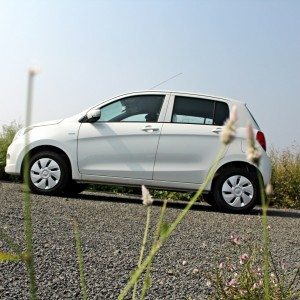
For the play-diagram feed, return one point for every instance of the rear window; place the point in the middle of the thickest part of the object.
(188, 110)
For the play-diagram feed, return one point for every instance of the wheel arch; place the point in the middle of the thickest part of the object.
(50, 148)
(235, 164)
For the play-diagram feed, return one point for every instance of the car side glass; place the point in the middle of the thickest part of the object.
(141, 108)
(188, 110)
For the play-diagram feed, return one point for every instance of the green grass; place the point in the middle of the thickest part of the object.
(6, 136)
(286, 177)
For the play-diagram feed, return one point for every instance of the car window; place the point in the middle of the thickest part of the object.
(144, 108)
(190, 110)
(221, 113)
(136, 118)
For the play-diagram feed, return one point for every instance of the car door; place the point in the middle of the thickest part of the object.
(189, 142)
(123, 142)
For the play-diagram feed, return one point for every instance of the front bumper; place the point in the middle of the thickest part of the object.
(14, 157)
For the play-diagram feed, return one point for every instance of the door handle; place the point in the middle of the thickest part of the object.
(149, 128)
(217, 130)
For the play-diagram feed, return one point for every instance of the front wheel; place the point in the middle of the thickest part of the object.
(73, 188)
(236, 190)
(48, 173)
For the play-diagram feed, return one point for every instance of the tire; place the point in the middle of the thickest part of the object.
(74, 188)
(209, 199)
(236, 190)
(48, 173)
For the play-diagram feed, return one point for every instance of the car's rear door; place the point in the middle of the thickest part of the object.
(189, 141)
(123, 142)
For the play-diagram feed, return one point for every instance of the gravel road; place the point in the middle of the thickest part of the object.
(112, 228)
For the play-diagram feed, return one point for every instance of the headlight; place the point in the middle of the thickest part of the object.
(22, 131)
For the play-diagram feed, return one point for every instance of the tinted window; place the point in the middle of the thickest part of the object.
(145, 108)
(199, 111)
(221, 113)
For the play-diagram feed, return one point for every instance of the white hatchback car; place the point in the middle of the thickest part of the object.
(165, 140)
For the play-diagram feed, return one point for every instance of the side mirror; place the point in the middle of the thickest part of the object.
(93, 115)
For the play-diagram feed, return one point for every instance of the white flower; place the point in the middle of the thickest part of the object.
(235, 240)
(243, 258)
(231, 268)
(228, 133)
(221, 265)
(147, 198)
(233, 282)
(256, 286)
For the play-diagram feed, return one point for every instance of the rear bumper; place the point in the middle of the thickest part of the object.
(265, 168)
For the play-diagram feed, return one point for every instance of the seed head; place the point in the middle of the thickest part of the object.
(208, 283)
(253, 155)
(34, 70)
(233, 114)
(228, 133)
(269, 189)
(146, 196)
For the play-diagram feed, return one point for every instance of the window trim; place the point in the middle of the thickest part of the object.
(165, 98)
(197, 98)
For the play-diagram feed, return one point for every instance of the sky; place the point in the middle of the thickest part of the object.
(89, 51)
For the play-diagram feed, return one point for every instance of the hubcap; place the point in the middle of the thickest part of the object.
(237, 191)
(45, 173)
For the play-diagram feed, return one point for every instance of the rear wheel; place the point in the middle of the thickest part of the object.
(236, 190)
(48, 173)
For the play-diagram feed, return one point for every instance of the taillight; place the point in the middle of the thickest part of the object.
(260, 137)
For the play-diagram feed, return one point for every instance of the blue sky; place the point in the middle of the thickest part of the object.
(91, 50)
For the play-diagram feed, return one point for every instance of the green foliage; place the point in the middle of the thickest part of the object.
(286, 177)
(159, 194)
(80, 260)
(6, 137)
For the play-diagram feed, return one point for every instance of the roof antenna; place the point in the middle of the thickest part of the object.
(165, 81)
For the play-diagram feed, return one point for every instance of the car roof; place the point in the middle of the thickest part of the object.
(180, 93)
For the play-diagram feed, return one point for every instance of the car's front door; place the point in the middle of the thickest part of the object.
(123, 142)
(189, 142)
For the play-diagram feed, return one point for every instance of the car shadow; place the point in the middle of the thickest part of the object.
(199, 206)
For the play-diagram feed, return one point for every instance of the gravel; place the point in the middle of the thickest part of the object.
(111, 230)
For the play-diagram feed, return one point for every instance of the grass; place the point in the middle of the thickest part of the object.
(242, 277)
(286, 177)
(6, 136)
